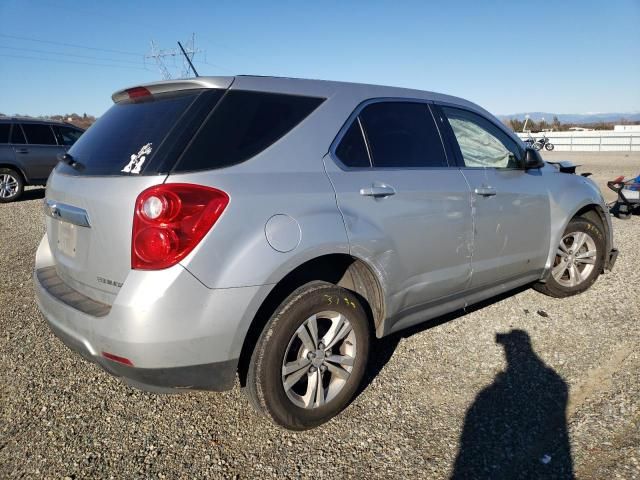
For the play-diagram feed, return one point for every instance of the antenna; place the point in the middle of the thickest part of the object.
(189, 51)
(188, 60)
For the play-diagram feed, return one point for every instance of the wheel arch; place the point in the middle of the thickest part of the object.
(340, 269)
(596, 214)
(16, 168)
(590, 211)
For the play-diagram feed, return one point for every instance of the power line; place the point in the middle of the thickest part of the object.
(28, 39)
(159, 55)
(55, 60)
(48, 52)
(204, 62)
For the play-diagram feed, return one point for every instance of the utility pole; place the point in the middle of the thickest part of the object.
(187, 52)
(159, 56)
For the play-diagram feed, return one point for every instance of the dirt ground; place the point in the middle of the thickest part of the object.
(523, 386)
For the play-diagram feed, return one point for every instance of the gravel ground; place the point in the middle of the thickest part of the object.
(441, 400)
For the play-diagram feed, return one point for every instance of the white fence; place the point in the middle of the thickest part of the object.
(594, 141)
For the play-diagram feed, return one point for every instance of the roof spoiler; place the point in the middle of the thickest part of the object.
(172, 86)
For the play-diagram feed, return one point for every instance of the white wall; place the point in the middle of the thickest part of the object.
(626, 128)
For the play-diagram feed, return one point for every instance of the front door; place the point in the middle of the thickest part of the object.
(510, 204)
(406, 211)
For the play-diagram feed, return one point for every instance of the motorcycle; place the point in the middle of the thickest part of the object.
(540, 143)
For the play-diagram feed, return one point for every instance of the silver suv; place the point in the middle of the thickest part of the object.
(270, 228)
(29, 149)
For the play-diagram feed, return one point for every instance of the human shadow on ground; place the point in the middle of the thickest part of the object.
(383, 349)
(516, 426)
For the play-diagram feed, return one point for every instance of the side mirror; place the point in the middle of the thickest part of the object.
(532, 159)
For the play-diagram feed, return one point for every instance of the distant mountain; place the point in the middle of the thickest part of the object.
(575, 117)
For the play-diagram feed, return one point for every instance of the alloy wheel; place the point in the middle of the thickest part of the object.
(319, 359)
(8, 185)
(575, 259)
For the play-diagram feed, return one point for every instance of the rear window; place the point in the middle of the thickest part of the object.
(352, 150)
(66, 136)
(402, 135)
(128, 138)
(242, 125)
(17, 136)
(38, 134)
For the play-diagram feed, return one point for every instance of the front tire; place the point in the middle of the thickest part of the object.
(310, 358)
(578, 261)
(11, 185)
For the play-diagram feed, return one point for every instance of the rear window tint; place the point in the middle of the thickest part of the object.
(402, 134)
(242, 125)
(352, 150)
(38, 134)
(127, 138)
(17, 136)
(4, 132)
(66, 135)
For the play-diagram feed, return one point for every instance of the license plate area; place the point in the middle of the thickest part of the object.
(67, 238)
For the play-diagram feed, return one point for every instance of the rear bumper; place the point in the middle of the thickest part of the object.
(217, 376)
(175, 332)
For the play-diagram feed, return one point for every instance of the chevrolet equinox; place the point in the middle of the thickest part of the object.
(267, 229)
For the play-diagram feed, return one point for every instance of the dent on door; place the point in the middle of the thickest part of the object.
(419, 238)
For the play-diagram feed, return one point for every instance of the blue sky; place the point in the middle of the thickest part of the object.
(563, 57)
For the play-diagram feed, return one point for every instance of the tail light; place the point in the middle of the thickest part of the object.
(170, 220)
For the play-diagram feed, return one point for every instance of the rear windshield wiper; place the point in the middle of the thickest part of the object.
(69, 160)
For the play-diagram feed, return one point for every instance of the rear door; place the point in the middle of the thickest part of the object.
(406, 211)
(130, 148)
(40, 154)
(510, 204)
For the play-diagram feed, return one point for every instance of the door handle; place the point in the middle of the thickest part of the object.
(485, 191)
(378, 191)
(22, 150)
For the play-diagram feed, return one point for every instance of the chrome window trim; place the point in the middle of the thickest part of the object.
(355, 115)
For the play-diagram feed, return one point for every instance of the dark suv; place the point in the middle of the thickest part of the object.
(28, 152)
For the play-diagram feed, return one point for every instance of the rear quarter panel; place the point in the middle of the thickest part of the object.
(287, 178)
(8, 158)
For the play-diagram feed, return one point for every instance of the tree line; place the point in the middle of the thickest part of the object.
(556, 125)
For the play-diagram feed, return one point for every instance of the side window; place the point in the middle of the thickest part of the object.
(66, 136)
(243, 124)
(402, 134)
(17, 136)
(4, 132)
(38, 134)
(482, 144)
(352, 150)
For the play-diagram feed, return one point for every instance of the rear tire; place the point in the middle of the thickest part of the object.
(311, 357)
(549, 146)
(11, 185)
(578, 262)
